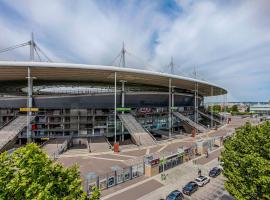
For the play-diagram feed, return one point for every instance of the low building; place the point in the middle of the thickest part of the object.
(263, 109)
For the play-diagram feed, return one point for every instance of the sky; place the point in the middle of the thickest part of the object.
(226, 42)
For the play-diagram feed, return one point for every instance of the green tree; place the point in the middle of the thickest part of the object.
(247, 162)
(28, 173)
(214, 108)
(95, 193)
(234, 108)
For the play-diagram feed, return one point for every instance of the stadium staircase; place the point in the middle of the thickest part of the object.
(137, 132)
(54, 147)
(209, 117)
(10, 131)
(99, 144)
(188, 121)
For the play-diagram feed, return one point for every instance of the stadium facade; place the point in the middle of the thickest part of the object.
(88, 101)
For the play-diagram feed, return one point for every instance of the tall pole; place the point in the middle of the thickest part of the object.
(195, 102)
(123, 104)
(123, 55)
(225, 109)
(115, 87)
(170, 108)
(212, 107)
(32, 45)
(172, 121)
(172, 66)
(195, 107)
(30, 91)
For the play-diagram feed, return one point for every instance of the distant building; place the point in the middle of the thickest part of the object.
(260, 109)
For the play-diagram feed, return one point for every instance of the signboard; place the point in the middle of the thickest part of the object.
(123, 109)
(29, 109)
(154, 162)
(174, 108)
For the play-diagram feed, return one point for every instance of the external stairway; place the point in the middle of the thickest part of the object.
(209, 117)
(188, 121)
(99, 144)
(10, 131)
(137, 132)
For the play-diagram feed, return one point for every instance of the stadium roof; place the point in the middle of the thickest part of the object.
(15, 70)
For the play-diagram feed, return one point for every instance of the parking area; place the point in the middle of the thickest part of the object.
(212, 191)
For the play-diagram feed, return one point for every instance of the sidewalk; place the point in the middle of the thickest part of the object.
(154, 188)
(177, 178)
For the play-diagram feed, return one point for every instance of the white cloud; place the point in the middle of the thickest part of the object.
(228, 41)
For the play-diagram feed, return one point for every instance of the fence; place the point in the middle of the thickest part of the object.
(117, 176)
(60, 149)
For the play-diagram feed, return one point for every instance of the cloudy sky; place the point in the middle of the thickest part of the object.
(226, 41)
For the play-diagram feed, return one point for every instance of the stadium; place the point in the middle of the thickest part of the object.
(42, 100)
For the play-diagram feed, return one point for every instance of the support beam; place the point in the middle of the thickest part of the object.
(123, 55)
(30, 91)
(196, 106)
(32, 47)
(212, 108)
(123, 104)
(115, 93)
(29, 104)
(170, 108)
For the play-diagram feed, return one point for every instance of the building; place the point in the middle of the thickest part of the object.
(87, 101)
(263, 109)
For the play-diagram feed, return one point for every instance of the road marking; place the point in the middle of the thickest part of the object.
(147, 151)
(162, 148)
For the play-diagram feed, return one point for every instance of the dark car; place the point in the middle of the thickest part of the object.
(175, 195)
(215, 172)
(190, 188)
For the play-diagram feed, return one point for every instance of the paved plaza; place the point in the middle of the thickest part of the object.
(154, 188)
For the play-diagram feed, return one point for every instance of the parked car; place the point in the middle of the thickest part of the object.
(215, 172)
(175, 195)
(190, 188)
(202, 180)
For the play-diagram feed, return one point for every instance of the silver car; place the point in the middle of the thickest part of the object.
(202, 180)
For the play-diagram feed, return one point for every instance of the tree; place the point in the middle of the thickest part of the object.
(247, 162)
(235, 108)
(214, 108)
(28, 173)
(95, 193)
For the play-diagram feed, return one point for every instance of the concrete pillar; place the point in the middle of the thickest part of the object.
(170, 108)
(29, 104)
(115, 91)
(123, 105)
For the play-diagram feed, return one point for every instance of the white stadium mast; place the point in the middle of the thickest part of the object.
(34, 48)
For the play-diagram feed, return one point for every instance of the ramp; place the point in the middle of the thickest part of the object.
(188, 121)
(54, 147)
(10, 131)
(137, 132)
(209, 117)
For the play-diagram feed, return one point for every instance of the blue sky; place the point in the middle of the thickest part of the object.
(228, 42)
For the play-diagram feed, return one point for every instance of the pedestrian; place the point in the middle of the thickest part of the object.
(199, 172)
